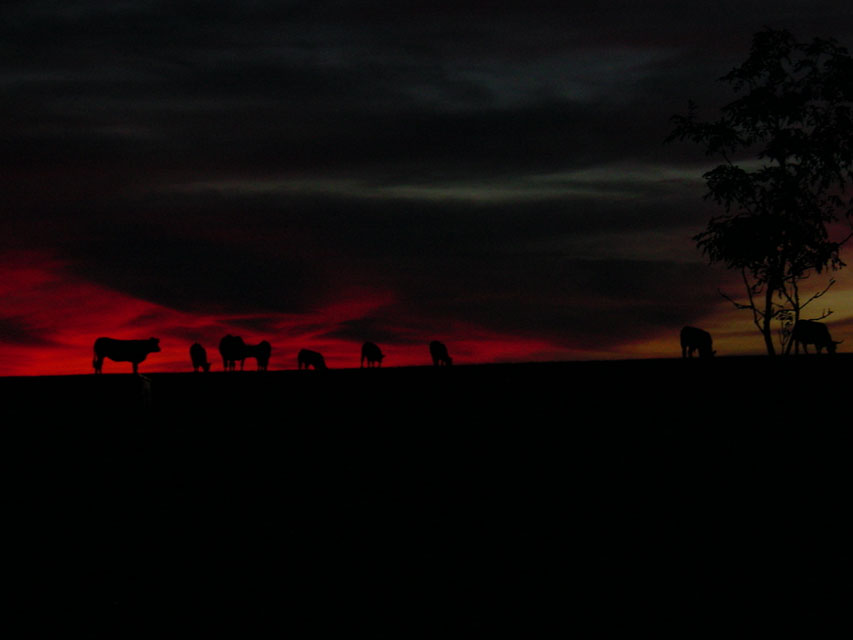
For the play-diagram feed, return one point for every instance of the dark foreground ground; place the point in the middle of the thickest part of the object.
(670, 498)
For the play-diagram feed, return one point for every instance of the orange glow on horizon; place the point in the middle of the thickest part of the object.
(50, 320)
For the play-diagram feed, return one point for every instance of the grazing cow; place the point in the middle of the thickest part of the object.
(133, 351)
(232, 349)
(693, 339)
(260, 352)
(198, 355)
(372, 354)
(811, 332)
(308, 358)
(439, 354)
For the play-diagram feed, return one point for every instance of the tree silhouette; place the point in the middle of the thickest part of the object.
(786, 145)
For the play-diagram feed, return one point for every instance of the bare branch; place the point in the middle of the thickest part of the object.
(738, 305)
(819, 294)
(826, 313)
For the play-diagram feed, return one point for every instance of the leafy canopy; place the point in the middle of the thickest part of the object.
(786, 150)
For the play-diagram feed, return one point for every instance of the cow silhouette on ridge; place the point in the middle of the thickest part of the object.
(232, 349)
(260, 352)
(198, 355)
(438, 352)
(693, 339)
(812, 332)
(308, 358)
(133, 351)
(372, 354)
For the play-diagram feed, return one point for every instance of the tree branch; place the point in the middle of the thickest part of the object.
(818, 295)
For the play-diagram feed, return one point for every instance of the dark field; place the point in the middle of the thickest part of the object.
(670, 497)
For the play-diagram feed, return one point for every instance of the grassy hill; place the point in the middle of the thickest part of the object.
(673, 497)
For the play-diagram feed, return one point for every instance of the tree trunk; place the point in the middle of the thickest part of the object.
(795, 303)
(766, 328)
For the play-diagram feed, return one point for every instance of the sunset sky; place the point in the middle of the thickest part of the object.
(318, 174)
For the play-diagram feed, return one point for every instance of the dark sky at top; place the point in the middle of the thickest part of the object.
(493, 165)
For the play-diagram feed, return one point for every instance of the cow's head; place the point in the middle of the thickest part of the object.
(830, 348)
(155, 344)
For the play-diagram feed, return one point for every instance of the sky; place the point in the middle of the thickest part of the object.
(318, 174)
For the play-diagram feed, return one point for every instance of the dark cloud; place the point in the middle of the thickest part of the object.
(19, 332)
(352, 87)
(376, 329)
(195, 274)
(575, 303)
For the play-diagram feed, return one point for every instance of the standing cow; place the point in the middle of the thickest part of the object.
(308, 358)
(133, 351)
(198, 355)
(260, 352)
(811, 332)
(439, 354)
(232, 349)
(693, 339)
(372, 354)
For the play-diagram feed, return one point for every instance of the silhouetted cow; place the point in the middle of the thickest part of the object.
(372, 354)
(133, 351)
(693, 339)
(232, 349)
(260, 352)
(439, 354)
(198, 355)
(308, 358)
(816, 333)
